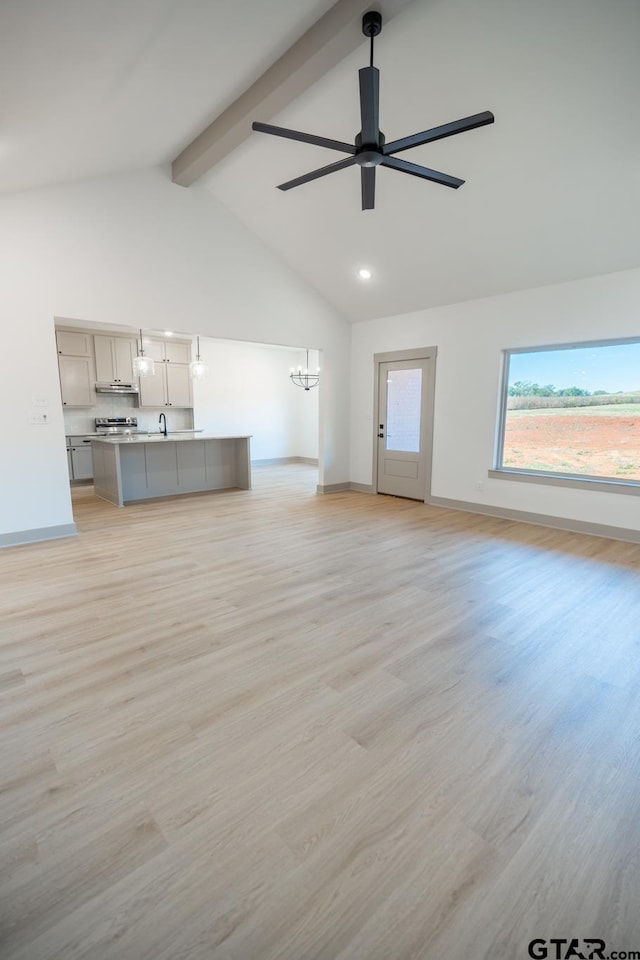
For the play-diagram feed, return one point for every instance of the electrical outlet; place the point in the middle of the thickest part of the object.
(479, 486)
(39, 418)
(40, 402)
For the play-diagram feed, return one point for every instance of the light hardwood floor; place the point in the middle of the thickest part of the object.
(267, 724)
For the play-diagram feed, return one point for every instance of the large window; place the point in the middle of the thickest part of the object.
(572, 411)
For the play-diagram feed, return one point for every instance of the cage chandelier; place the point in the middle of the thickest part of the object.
(302, 378)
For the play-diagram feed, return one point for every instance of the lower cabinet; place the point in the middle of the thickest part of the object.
(143, 469)
(79, 458)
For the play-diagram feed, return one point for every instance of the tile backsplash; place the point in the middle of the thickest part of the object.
(82, 419)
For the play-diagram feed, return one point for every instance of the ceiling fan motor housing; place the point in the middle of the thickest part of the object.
(369, 154)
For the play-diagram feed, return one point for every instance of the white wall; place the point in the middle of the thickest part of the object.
(307, 405)
(248, 391)
(137, 250)
(470, 337)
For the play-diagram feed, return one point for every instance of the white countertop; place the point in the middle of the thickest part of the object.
(134, 432)
(171, 438)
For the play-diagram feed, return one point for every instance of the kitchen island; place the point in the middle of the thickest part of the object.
(131, 468)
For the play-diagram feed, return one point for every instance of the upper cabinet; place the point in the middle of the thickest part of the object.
(171, 384)
(84, 358)
(76, 381)
(74, 343)
(179, 392)
(168, 351)
(76, 368)
(114, 356)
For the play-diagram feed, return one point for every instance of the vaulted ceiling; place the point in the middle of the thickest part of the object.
(552, 189)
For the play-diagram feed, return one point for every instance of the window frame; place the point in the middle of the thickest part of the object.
(575, 480)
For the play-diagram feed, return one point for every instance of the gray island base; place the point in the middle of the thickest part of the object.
(128, 469)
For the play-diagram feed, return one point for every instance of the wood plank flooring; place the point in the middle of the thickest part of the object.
(269, 725)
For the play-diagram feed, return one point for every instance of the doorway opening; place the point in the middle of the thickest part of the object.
(248, 392)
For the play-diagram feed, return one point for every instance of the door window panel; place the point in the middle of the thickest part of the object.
(404, 392)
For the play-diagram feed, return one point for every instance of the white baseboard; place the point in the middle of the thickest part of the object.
(275, 461)
(361, 487)
(341, 487)
(540, 519)
(333, 487)
(37, 535)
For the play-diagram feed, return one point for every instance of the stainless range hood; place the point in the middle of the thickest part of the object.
(117, 387)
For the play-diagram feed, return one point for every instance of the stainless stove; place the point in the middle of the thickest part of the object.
(108, 426)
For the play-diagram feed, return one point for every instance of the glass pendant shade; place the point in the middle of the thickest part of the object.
(302, 378)
(143, 366)
(198, 369)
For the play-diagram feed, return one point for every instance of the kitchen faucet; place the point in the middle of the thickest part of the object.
(160, 419)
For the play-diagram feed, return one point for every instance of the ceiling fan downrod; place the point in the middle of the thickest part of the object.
(371, 27)
(368, 142)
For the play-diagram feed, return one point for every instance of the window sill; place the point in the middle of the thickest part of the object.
(603, 484)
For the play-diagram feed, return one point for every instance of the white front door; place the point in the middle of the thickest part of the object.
(405, 393)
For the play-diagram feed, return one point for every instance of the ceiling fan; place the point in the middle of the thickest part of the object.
(369, 149)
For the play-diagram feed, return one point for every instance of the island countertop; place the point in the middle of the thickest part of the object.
(171, 437)
(129, 468)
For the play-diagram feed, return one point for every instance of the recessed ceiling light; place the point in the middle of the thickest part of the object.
(364, 273)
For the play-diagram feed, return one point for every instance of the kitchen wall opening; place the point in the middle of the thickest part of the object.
(247, 391)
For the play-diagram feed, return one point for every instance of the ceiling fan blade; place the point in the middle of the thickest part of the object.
(405, 167)
(369, 104)
(303, 137)
(368, 183)
(321, 172)
(439, 133)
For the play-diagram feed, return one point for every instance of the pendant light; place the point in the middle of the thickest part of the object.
(143, 366)
(302, 378)
(198, 369)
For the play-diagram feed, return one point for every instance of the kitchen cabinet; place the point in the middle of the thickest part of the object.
(77, 378)
(82, 463)
(79, 459)
(114, 358)
(153, 390)
(171, 384)
(168, 351)
(74, 343)
(179, 389)
(169, 387)
(140, 468)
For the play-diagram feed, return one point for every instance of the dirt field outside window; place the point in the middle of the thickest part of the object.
(599, 441)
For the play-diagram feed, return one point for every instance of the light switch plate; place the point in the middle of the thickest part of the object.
(40, 402)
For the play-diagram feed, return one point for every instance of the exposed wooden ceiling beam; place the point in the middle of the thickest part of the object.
(333, 37)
